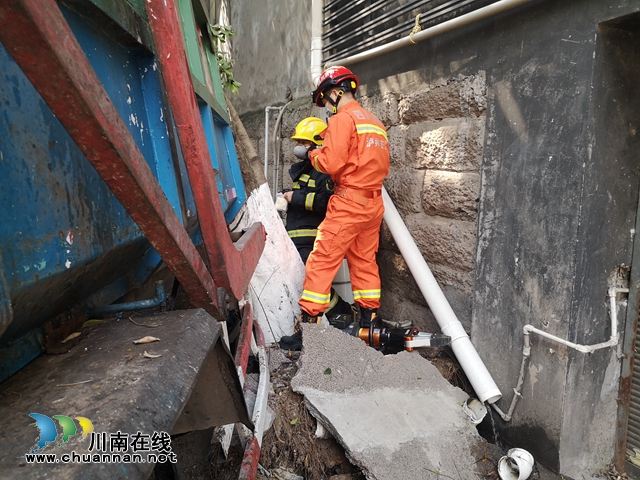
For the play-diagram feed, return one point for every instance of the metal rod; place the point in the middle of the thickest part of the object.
(467, 19)
(139, 305)
(404, 27)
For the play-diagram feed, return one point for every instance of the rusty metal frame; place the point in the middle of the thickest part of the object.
(37, 36)
(231, 265)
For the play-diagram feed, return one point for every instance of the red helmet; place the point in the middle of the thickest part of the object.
(334, 77)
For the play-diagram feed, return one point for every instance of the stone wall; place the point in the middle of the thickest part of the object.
(436, 137)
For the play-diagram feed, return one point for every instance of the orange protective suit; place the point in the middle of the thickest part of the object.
(356, 155)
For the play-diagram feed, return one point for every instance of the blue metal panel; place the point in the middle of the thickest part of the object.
(224, 160)
(57, 212)
(156, 120)
(209, 132)
(235, 174)
(63, 235)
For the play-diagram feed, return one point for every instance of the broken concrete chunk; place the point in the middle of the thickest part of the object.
(391, 424)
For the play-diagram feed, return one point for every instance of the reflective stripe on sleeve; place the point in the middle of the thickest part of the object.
(364, 128)
(315, 164)
(303, 232)
(308, 201)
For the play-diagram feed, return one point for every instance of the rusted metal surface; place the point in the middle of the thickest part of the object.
(38, 38)
(244, 341)
(249, 465)
(231, 267)
(624, 394)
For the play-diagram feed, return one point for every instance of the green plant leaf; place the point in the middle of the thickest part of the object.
(327, 371)
(294, 421)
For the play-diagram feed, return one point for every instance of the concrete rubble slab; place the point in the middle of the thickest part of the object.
(395, 415)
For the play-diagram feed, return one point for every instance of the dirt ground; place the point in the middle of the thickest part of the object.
(291, 443)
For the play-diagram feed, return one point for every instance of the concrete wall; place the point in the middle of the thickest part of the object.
(515, 167)
(272, 51)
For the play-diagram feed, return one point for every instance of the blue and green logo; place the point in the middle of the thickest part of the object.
(49, 430)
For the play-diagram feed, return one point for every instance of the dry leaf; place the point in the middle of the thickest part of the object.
(96, 387)
(91, 323)
(146, 339)
(149, 355)
(71, 337)
(128, 357)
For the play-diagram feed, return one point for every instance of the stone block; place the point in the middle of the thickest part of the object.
(403, 299)
(404, 186)
(397, 144)
(462, 97)
(454, 145)
(442, 241)
(386, 240)
(396, 307)
(431, 104)
(398, 279)
(384, 106)
(451, 194)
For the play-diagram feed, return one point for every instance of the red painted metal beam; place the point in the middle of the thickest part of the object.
(231, 267)
(36, 35)
(250, 460)
(244, 341)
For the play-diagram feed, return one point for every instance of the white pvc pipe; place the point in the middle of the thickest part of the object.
(316, 40)
(613, 340)
(526, 351)
(470, 361)
(447, 26)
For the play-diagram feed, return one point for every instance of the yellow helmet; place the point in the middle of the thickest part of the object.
(310, 129)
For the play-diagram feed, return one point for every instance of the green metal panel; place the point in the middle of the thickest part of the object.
(217, 83)
(191, 40)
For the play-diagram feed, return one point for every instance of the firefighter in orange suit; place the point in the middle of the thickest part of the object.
(355, 153)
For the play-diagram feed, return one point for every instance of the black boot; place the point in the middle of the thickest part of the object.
(294, 342)
(369, 316)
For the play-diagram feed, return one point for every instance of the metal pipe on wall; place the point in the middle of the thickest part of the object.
(266, 137)
(463, 20)
(316, 40)
(276, 151)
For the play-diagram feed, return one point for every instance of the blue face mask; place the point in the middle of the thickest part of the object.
(300, 151)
